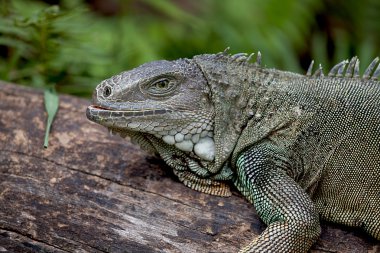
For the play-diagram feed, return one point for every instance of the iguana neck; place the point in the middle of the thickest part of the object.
(238, 90)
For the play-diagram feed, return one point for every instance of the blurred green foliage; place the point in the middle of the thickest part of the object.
(75, 44)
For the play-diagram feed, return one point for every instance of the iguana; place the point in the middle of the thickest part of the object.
(299, 147)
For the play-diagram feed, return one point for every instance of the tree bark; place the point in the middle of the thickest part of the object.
(91, 192)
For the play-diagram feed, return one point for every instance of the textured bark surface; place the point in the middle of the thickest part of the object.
(90, 192)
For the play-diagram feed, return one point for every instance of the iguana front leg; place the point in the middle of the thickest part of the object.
(293, 223)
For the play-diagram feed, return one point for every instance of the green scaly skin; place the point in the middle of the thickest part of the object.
(299, 147)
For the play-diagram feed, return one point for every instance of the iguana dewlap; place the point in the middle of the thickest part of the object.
(298, 147)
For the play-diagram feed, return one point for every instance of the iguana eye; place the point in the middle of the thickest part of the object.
(161, 84)
(161, 87)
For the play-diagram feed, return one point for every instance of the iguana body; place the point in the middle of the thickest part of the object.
(298, 147)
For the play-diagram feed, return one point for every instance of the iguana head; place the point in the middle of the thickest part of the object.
(165, 99)
(165, 107)
(189, 111)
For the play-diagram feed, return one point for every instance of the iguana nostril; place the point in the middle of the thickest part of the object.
(107, 91)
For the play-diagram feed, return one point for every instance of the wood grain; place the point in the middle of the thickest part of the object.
(90, 192)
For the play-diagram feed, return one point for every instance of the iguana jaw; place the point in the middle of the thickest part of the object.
(202, 145)
(176, 128)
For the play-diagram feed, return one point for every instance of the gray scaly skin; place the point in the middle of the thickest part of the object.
(298, 147)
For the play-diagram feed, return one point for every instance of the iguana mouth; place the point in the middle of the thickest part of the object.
(99, 107)
(94, 112)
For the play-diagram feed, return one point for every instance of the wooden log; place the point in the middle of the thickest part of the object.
(90, 192)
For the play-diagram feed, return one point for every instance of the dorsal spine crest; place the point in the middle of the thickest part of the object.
(349, 69)
(344, 69)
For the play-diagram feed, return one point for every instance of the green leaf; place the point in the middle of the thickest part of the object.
(51, 105)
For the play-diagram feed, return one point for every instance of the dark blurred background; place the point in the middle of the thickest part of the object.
(74, 44)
